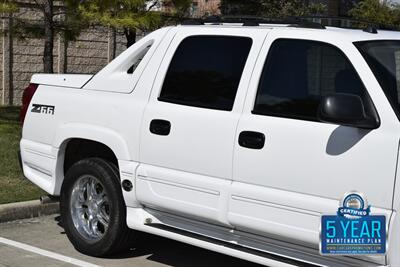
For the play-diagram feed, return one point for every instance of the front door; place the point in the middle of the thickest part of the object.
(305, 166)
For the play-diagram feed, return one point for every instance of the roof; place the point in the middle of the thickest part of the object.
(352, 35)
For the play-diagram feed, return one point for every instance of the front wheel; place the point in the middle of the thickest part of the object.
(92, 208)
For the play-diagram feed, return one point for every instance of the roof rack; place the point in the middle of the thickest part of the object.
(311, 22)
(347, 23)
(371, 29)
(253, 21)
(192, 22)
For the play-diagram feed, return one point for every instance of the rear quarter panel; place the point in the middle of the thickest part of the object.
(93, 115)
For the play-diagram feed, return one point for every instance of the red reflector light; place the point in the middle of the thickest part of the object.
(26, 100)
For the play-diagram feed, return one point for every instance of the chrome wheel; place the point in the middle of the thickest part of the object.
(90, 208)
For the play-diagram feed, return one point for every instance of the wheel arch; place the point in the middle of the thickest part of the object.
(108, 143)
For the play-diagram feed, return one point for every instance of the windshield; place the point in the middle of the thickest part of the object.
(383, 57)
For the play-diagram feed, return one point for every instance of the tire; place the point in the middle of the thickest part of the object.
(93, 211)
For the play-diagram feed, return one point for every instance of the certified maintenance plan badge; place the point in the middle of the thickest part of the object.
(353, 230)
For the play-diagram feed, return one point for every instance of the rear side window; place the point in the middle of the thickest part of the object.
(138, 59)
(298, 73)
(205, 71)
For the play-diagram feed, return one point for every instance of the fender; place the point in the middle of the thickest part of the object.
(96, 133)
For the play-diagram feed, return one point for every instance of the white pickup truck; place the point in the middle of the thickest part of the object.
(234, 138)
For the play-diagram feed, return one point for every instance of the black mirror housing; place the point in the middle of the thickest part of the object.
(346, 110)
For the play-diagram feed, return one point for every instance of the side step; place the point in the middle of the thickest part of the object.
(257, 251)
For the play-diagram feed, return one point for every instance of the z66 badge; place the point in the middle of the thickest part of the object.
(45, 109)
(353, 230)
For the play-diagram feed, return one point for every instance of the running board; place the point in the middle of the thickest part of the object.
(229, 242)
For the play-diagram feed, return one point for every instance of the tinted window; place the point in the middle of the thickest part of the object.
(298, 73)
(383, 57)
(138, 59)
(205, 71)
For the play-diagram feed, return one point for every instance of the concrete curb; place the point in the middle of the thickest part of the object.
(27, 209)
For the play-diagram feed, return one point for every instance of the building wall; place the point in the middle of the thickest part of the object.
(338, 8)
(2, 96)
(88, 54)
(202, 8)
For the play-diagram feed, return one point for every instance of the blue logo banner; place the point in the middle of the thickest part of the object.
(343, 236)
(353, 231)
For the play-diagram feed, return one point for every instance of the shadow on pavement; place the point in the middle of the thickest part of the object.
(173, 253)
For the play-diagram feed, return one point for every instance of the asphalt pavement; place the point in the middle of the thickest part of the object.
(40, 242)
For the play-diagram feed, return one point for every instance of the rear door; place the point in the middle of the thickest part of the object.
(189, 124)
(304, 167)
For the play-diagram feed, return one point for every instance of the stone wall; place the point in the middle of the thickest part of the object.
(92, 50)
(2, 48)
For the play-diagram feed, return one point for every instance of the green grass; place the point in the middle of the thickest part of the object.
(13, 187)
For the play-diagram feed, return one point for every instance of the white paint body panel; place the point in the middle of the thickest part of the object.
(39, 164)
(199, 172)
(177, 192)
(114, 76)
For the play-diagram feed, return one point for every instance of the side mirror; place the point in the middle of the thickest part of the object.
(346, 110)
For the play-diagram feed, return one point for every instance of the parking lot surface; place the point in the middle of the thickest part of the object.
(42, 242)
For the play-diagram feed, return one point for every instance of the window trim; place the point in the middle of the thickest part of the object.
(183, 103)
(300, 117)
(294, 117)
